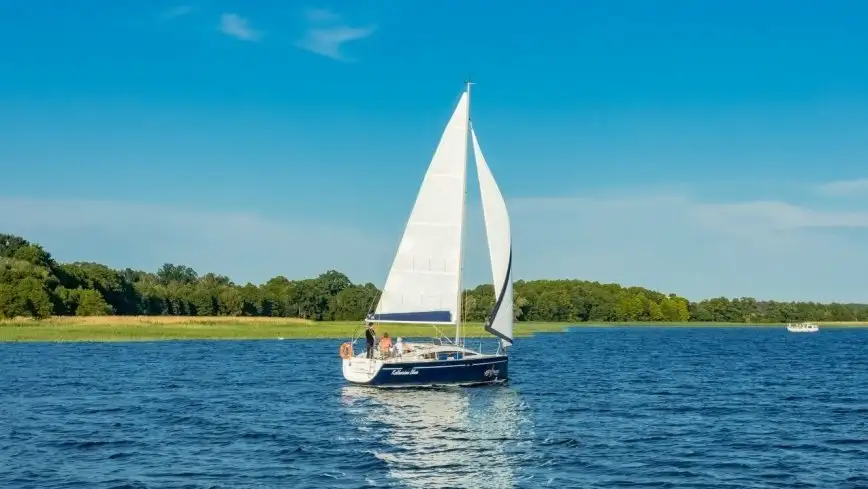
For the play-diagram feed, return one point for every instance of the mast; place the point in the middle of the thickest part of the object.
(468, 83)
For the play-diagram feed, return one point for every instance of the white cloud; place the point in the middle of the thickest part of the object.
(668, 242)
(238, 27)
(327, 33)
(846, 187)
(244, 246)
(179, 11)
(676, 243)
(757, 216)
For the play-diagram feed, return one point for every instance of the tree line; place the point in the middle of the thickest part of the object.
(33, 284)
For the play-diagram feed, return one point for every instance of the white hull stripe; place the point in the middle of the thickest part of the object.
(446, 366)
(422, 386)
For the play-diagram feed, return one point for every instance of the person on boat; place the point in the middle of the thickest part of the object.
(385, 344)
(401, 348)
(369, 340)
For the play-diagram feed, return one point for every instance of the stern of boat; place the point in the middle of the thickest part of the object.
(361, 370)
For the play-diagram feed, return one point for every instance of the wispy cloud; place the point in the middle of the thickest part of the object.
(238, 27)
(681, 244)
(179, 11)
(670, 240)
(326, 34)
(245, 246)
(846, 187)
(776, 217)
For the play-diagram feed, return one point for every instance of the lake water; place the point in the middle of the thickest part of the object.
(632, 407)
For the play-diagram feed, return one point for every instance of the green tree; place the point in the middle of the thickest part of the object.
(91, 303)
(353, 303)
(9, 244)
(169, 273)
(31, 299)
(8, 298)
(34, 254)
(32, 283)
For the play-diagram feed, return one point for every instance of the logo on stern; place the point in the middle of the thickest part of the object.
(492, 372)
(402, 371)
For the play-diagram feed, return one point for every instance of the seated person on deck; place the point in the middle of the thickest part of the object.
(400, 347)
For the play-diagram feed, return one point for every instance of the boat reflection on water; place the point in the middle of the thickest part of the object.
(449, 437)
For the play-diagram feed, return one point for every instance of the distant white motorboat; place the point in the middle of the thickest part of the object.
(803, 327)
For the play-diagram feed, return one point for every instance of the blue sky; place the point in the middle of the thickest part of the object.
(703, 148)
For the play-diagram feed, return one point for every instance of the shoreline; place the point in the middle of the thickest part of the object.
(175, 328)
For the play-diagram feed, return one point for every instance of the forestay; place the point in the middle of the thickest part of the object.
(497, 231)
(423, 284)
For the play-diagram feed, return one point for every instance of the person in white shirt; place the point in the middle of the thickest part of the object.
(399, 346)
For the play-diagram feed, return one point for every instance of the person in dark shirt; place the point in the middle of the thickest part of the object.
(369, 340)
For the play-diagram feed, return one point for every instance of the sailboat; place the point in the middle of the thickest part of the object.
(424, 281)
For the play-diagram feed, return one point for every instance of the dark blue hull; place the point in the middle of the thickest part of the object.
(485, 370)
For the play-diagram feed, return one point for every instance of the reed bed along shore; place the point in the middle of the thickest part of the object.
(151, 328)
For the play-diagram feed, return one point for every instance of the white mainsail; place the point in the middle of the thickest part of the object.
(423, 285)
(499, 247)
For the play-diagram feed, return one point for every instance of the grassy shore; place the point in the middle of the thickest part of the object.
(149, 328)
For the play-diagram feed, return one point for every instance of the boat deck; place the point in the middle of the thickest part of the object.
(425, 352)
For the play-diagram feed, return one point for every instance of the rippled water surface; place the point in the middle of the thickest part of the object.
(611, 408)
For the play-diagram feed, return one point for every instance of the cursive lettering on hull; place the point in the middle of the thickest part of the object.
(402, 371)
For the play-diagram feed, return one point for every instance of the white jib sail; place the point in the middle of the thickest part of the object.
(499, 247)
(423, 282)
